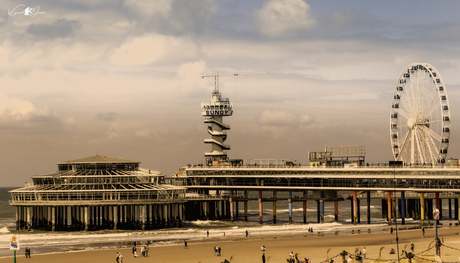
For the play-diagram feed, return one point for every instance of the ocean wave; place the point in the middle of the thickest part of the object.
(4, 230)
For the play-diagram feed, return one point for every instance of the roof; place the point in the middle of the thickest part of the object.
(99, 159)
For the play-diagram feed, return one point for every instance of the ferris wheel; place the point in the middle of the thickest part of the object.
(420, 117)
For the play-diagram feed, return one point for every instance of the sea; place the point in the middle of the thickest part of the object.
(42, 242)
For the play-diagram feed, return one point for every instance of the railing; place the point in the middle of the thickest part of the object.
(226, 165)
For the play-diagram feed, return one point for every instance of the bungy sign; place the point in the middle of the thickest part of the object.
(14, 242)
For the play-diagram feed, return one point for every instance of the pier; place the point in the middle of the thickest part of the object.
(98, 192)
(405, 192)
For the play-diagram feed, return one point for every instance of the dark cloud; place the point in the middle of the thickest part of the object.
(61, 28)
(107, 116)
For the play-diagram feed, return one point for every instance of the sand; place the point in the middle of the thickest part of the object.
(247, 249)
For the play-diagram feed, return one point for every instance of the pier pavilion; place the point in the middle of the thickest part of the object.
(405, 192)
(98, 192)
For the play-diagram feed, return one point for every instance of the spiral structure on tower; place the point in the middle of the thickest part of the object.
(214, 113)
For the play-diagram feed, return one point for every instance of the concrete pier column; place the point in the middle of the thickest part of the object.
(441, 216)
(318, 211)
(368, 195)
(165, 215)
(206, 210)
(457, 207)
(115, 217)
(456, 210)
(181, 213)
(29, 218)
(403, 207)
(86, 218)
(246, 206)
(450, 207)
(17, 218)
(437, 205)
(53, 218)
(336, 208)
(260, 207)
(274, 207)
(290, 206)
(358, 204)
(355, 209)
(143, 217)
(231, 205)
(305, 207)
(422, 208)
(321, 207)
(389, 207)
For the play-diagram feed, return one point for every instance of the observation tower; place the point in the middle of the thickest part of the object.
(214, 113)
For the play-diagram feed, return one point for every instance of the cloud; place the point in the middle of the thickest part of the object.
(107, 116)
(61, 28)
(170, 16)
(155, 49)
(15, 112)
(277, 118)
(284, 18)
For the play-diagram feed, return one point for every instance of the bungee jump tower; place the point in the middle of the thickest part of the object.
(214, 113)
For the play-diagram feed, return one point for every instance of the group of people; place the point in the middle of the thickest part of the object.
(310, 230)
(144, 250)
(217, 251)
(27, 252)
(292, 258)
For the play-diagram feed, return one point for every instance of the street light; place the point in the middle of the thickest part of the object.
(436, 217)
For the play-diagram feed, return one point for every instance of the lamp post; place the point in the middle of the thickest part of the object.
(435, 217)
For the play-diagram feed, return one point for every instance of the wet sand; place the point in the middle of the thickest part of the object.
(247, 250)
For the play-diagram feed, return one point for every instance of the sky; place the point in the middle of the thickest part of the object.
(122, 78)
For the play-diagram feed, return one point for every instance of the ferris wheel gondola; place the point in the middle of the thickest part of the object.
(420, 117)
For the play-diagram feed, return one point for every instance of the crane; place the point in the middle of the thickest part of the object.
(237, 73)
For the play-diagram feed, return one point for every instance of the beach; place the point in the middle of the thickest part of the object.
(247, 249)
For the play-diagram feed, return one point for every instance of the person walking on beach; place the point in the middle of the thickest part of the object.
(134, 251)
(423, 230)
(215, 251)
(263, 257)
(218, 251)
(412, 246)
(207, 233)
(364, 252)
(27, 252)
(247, 233)
(185, 244)
(142, 251)
(120, 258)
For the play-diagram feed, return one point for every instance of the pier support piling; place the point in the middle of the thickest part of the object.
(231, 205)
(403, 207)
(422, 209)
(368, 195)
(389, 207)
(305, 207)
(290, 207)
(260, 207)
(355, 209)
(336, 208)
(274, 207)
